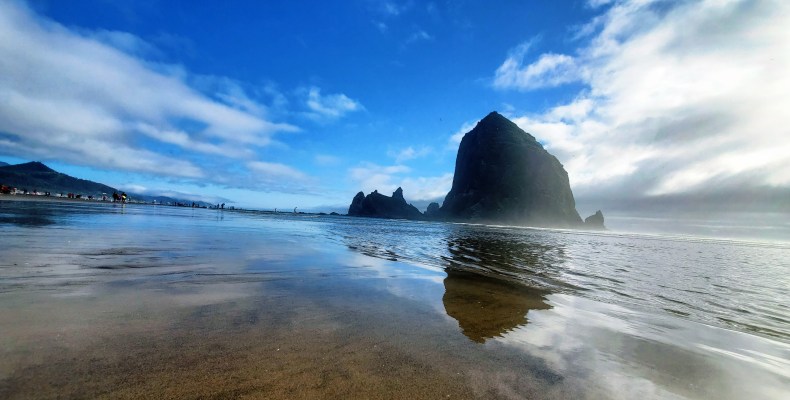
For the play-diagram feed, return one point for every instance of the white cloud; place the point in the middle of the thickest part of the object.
(548, 71)
(372, 177)
(680, 97)
(123, 41)
(330, 106)
(598, 3)
(455, 138)
(87, 98)
(135, 188)
(232, 94)
(386, 179)
(432, 188)
(409, 153)
(183, 140)
(266, 171)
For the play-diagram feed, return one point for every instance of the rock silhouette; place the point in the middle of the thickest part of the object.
(432, 211)
(379, 205)
(504, 175)
(594, 221)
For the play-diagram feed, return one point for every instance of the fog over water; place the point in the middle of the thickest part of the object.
(750, 226)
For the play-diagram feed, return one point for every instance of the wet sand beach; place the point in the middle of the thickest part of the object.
(149, 302)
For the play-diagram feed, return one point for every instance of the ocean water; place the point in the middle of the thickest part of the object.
(105, 301)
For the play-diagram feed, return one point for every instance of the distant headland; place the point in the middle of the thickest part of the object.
(502, 175)
(34, 178)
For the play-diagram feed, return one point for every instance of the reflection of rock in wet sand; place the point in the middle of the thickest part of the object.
(480, 289)
(486, 307)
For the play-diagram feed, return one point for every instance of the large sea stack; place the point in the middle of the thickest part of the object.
(503, 175)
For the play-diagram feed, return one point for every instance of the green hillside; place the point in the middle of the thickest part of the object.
(37, 176)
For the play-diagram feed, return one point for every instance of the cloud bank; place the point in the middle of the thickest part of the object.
(92, 98)
(71, 97)
(681, 100)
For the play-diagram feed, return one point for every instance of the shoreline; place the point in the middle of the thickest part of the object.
(42, 198)
(648, 234)
(55, 199)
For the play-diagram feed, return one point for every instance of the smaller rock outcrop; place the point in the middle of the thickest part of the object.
(594, 221)
(432, 211)
(381, 206)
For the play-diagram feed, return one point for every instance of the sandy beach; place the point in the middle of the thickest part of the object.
(166, 302)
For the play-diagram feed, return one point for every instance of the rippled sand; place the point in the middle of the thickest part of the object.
(142, 302)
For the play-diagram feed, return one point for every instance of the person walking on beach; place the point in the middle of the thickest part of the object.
(123, 197)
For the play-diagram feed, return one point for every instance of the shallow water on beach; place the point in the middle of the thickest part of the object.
(105, 301)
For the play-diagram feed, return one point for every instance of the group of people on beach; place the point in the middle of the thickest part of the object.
(119, 197)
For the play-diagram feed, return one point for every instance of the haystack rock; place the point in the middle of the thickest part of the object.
(381, 206)
(503, 175)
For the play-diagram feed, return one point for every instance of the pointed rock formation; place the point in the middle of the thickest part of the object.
(432, 211)
(503, 175)
(381, 206)
(594, 221)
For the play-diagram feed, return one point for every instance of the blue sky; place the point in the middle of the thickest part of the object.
(283, 104)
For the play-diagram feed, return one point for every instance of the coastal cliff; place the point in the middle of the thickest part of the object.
(504, 175)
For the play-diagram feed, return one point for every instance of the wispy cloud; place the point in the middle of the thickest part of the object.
(175, 194)
(455, 139)
(123, 41)
(91, 98)
(266, 171)
(419, 35)
(277, 177)
(686, 97)
(372, 177)
(326, 160)
(598, 3)
(393, 8)
(381, 26)
(549, 70)
(331, 106)
(386, 179)
(409, 153)
(427, 188)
